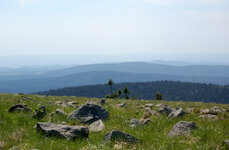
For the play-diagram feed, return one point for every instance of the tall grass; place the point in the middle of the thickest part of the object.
(17, 129)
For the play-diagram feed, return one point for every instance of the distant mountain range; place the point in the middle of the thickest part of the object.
(173, 91)
(32, 80)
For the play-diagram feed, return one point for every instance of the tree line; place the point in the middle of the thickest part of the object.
(171, 90)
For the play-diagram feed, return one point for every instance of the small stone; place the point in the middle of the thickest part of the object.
(67, 104)
(205, 111)
(159, 105)
(135, 122)
(96, 126)
(209, 116)
(73, 103)
(122, 105)
(60, 112)
(15, 148)
(102, 102)
(164, 109)
(64, 123)
(190, 110)
(154, 113)
(59, 102)
(118, 136)
(215, 111)
(182, 128)
(147, 121)
(91, 102)
(148, 105)
(177, 113)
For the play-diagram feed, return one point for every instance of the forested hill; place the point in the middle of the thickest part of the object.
(172, 91)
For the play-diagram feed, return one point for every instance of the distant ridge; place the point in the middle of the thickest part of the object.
(172, 91)
(144, 67)
(40, 79)
(97, 77)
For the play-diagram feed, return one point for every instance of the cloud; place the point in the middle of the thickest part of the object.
(213, 1)
(23, 3)
(168, 2)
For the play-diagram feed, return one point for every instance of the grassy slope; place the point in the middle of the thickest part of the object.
(17, 129)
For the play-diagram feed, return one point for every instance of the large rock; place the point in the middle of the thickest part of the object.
(96, 126)
(182, 128)
(89, 113)
(62, 131)
(164, 109)
(177, 113)
(118, 136)
(19, 107)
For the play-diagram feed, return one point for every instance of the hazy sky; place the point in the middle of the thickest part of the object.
(195, 30)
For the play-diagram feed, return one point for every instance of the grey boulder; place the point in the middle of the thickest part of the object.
(182, 128)
(164, 109)
(135, 122)
(118, 136)
(89, 113)
(62, 131)
(19, 107)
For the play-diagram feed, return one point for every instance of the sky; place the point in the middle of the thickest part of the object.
(113, 30)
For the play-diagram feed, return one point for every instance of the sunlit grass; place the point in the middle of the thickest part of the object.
(17, 129)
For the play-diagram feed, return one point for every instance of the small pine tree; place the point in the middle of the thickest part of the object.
(158, 96)
(126, 92)
(120, 93)
(110, 83)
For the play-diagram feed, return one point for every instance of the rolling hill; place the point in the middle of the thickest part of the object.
(40, 79)
(144, 67)
(96, 77)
